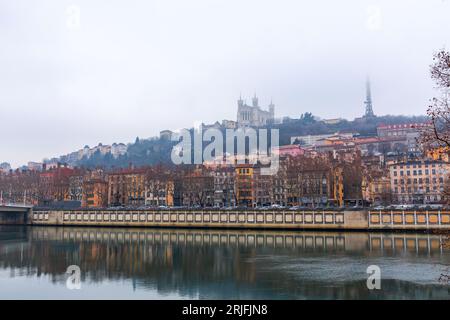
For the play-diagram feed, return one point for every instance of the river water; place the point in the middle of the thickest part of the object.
(120, 263)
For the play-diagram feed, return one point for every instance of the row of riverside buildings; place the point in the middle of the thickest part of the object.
(305, 178)
(338, 169)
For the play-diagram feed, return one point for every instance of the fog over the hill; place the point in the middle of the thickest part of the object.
(81, 72)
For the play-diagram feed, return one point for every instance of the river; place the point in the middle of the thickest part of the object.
(120, 263)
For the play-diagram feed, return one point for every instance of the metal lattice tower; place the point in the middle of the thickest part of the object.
(368, 102)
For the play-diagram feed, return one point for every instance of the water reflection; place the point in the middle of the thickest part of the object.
(213, 264)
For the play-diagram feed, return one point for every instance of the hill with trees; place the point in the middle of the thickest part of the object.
(155, 150)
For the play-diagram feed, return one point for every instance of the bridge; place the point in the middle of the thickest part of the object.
(14, 213)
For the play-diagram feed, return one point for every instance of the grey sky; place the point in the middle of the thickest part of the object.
(132, 68)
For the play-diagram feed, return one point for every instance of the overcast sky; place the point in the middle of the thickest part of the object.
(82, 71)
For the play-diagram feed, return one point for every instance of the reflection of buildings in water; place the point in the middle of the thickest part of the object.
(418, 243)
(307, 240)
(216, 261)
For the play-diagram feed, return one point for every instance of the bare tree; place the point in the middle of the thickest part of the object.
(157, 184)
(197, 186)
(304, 179)
(438, 134)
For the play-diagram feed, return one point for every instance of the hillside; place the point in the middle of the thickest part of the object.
(152, 151)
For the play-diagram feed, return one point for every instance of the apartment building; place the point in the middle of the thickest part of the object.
(418, 181)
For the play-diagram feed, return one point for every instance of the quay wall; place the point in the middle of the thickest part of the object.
(248, 219)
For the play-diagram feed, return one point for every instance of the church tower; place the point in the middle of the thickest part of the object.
(272, 111)
(255, 101)
(240, 101)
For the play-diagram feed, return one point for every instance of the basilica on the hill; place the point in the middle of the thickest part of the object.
(254, 116)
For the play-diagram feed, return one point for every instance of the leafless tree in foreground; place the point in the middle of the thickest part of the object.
(438, 134)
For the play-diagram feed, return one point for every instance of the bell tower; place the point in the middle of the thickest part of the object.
(255, 101)
(272, 111)
(240, 101)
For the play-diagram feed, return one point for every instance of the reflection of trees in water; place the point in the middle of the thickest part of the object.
(149, 263)
(445, 244)
(214, 263)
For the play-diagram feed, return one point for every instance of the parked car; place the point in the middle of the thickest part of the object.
(404, 206)
(276, 206)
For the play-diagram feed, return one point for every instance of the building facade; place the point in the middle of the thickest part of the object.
(418, 181)
(159, 192)
(95, 193)
(224, 181)
(245, 185)
(126, 187)
(254, 116)
(396, 130)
